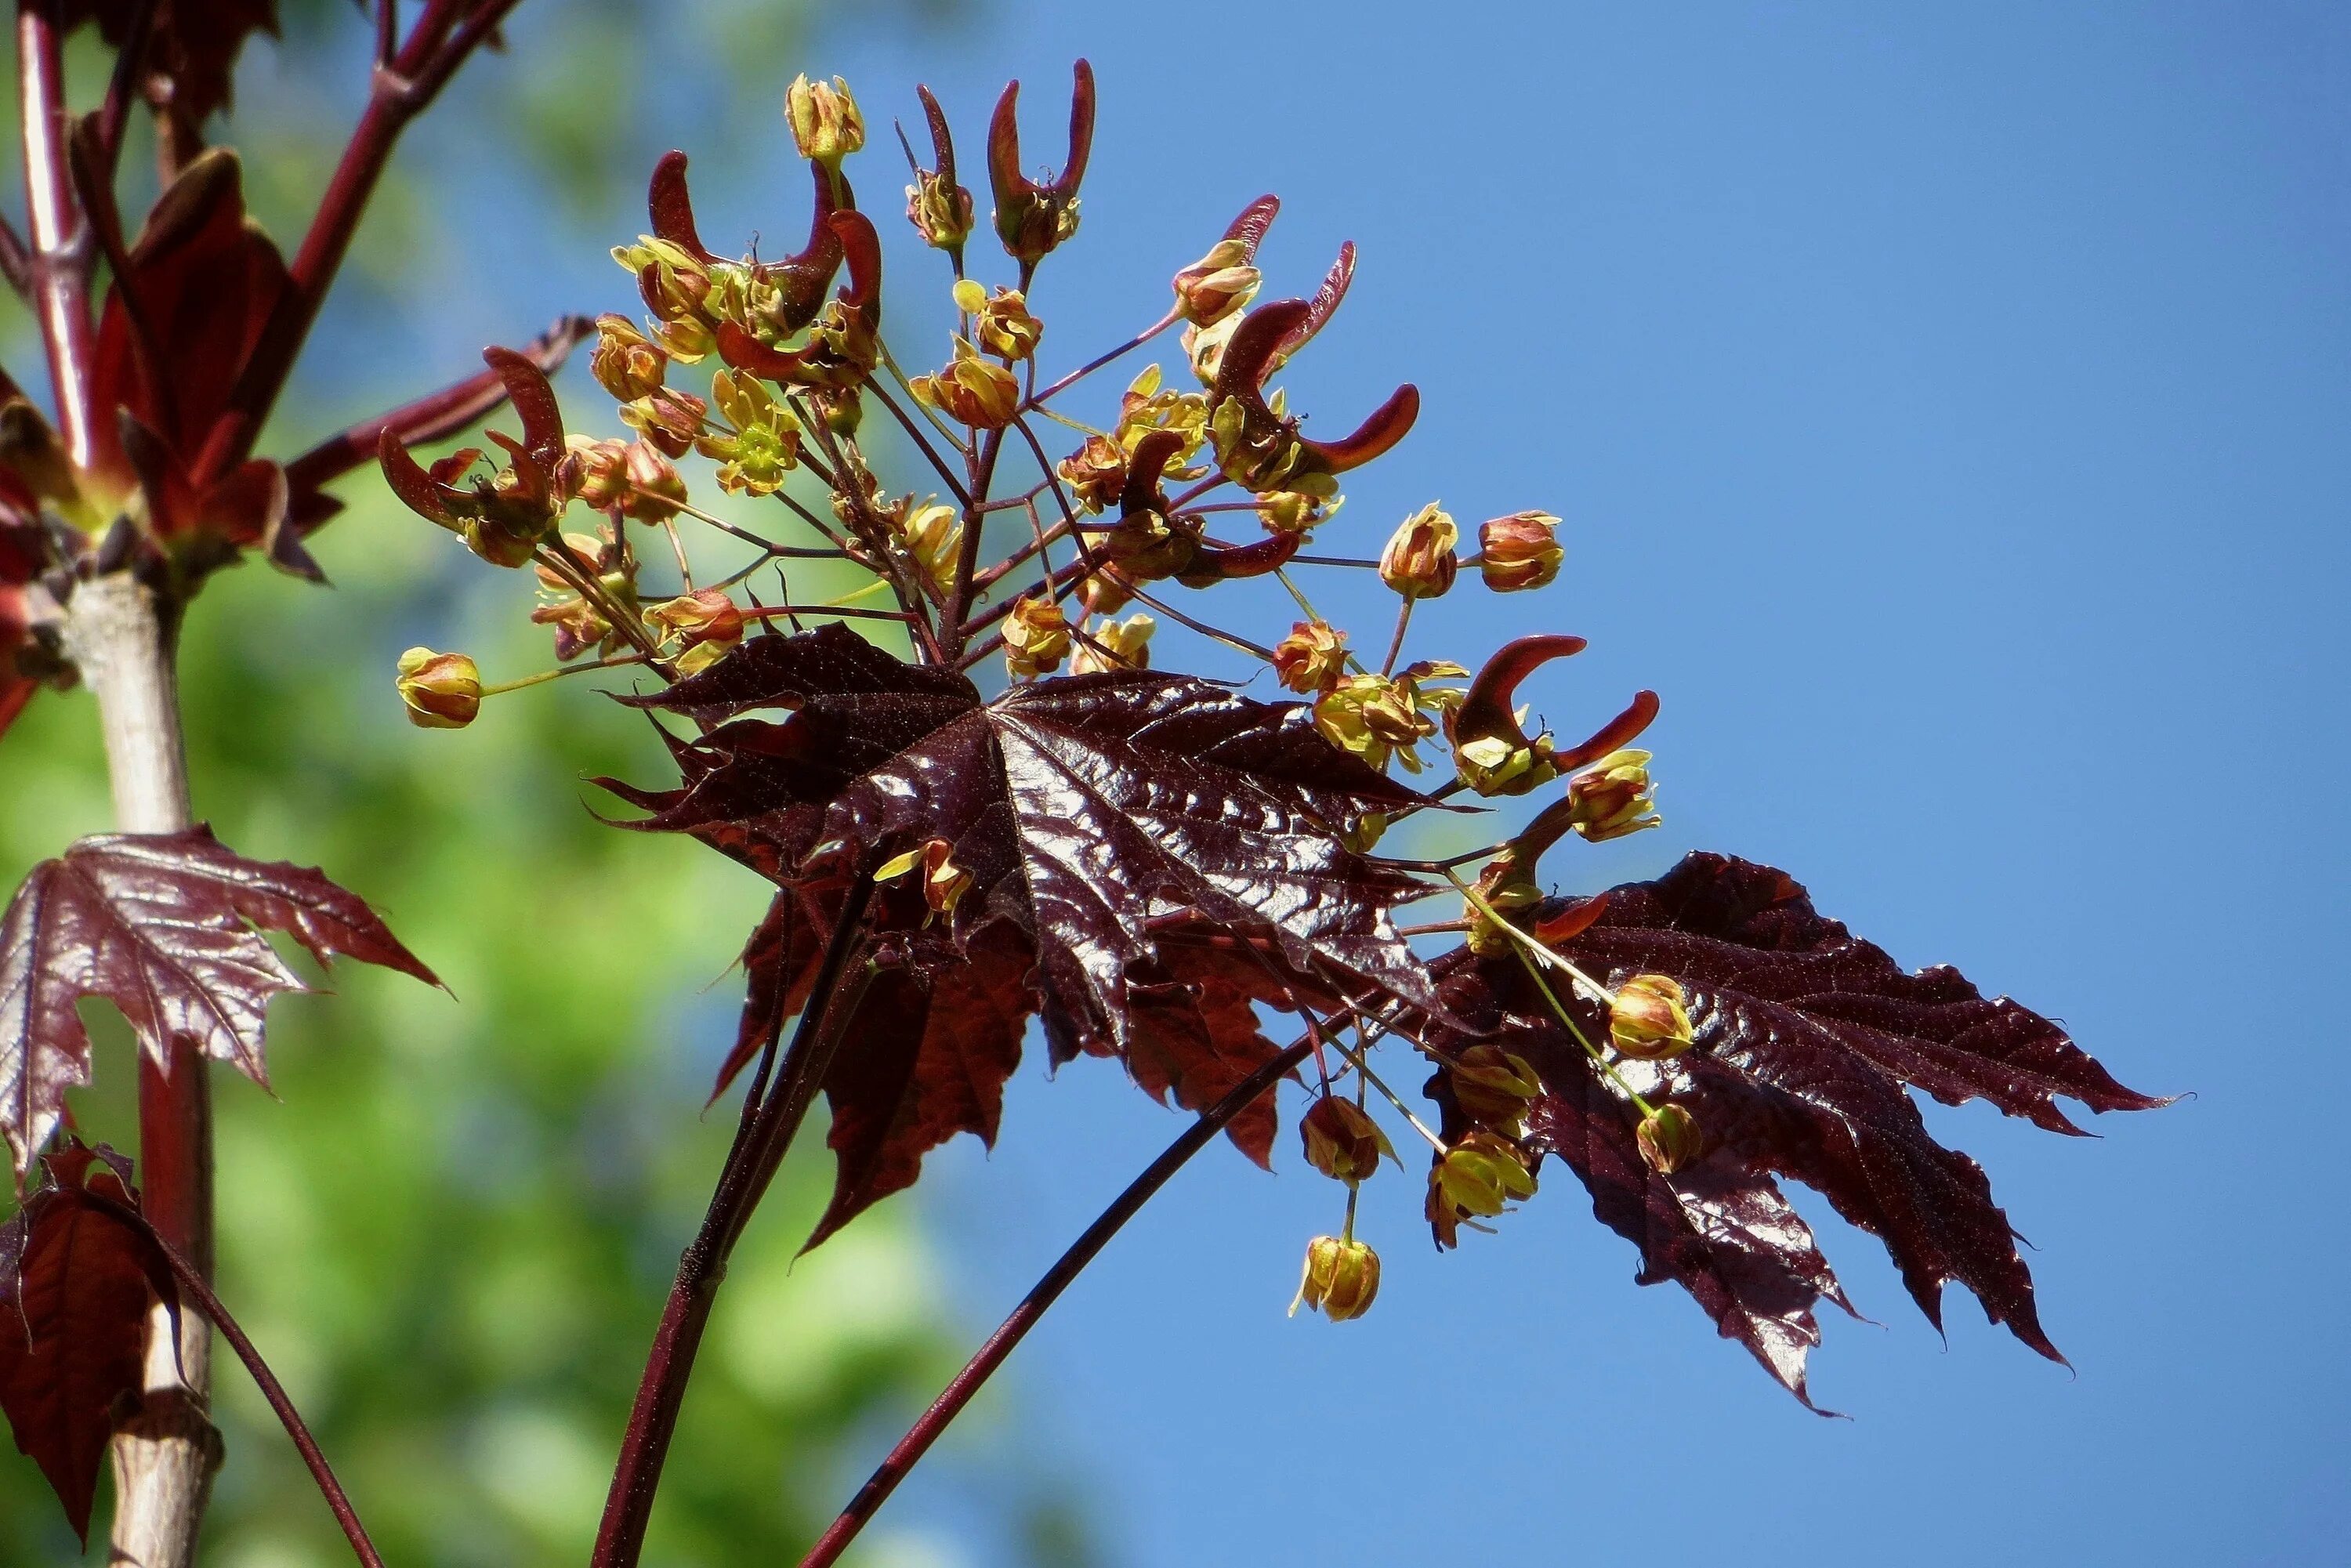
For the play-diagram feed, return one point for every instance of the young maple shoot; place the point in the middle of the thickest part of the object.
(1144, 860)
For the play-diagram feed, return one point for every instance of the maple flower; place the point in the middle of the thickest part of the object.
(1341, 1141)
(1000, 321)
(971, 390)
(1219, 284)
(1036, 637)
(1095, 473)
(1420, 558)
(442, 691)
(943, 882)
(1669, 1139)
(1115, 645)
(599, 469)
(825, 121)
(1519, 551)
(940, 210)
(1340, 1281)
(1493, 1087)
(1613, 797)
(625, 362)
(764, 445)
(933, 535)
(706, 618)
(1295, 511)
(1648, 1018)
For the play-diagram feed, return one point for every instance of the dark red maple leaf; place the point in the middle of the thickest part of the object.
(1097, 817)
(176, 330)
(167, 927)
(190, 51)
(1806, 1037)
(75, 1284)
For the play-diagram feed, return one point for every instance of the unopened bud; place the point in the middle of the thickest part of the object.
(600, 471)
(940, 211)
(626, 362)
(1217, 285)
(1669, 1139)
(971, 390)
(668, 418)
(1493, 1086)
(442, 691)
(934, 535)
(1115, 645)
(1421, 560)
(655, 489)
(1035, 636)
(1341, 1279)
(707, 616)
(1648, 1019)
(824, 119)
(1519, 551)
(1612, 798)
(1311, 658)
(1482, 1174)
(1341, 1141)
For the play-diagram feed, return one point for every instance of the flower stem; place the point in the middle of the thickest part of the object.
(1047, 1289)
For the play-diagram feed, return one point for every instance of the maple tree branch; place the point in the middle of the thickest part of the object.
(60, 259)
(433, 418)
(398, 93)
(768, 1125)
(192, 1283)
(1042, 1295)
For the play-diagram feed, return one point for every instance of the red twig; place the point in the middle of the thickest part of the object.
(1047, 1289)
(191, 1280)
(59, 263)
(767, 1128)
(429, 419)
(442, 37)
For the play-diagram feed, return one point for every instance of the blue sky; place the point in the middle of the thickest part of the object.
(1949, 406)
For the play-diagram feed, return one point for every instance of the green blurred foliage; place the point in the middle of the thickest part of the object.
(452, 1220)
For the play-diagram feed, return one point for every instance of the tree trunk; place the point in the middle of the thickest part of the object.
(126, 641)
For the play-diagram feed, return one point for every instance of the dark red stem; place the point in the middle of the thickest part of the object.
(60, 260)
(767, 1127)
(1046, 1291)
(448, 32)
(193, 1285)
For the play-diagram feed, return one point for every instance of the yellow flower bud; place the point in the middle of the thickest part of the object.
(442, 691)
(1669, 1139)
(1124, 645)
(1001, 322)
(693, 619)
(1095, 473)
(825, 121)
(1612, 798)
(1341, 1141)
(1295, 511)
(1648, 1019)
(1420, 560)
(1311, 658)
(625, 362)
(933, 535)
(1218, 285)
(1493, 1086)
(1371, 717)
(1519, 551)
(1035, 636)
(971, 390)
(1483, 1175)
(1341, 1279)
